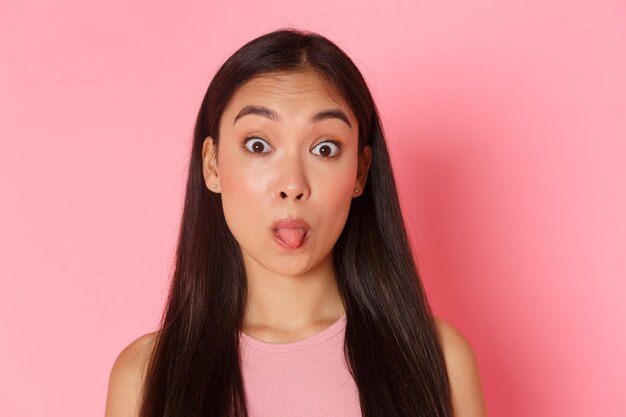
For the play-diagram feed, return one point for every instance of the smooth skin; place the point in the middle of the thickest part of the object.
(280, 161)
(269, 166)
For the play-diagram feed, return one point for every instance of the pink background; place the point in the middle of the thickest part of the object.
(507, 127)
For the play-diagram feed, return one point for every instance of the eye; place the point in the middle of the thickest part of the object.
(329, 148)
(255, 144)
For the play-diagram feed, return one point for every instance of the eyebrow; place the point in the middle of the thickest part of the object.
(272, 115)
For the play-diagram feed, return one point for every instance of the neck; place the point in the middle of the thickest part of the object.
(291, 302)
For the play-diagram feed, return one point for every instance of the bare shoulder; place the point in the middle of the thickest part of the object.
(127, 377)
(463, 373)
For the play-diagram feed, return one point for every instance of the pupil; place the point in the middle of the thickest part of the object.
(256, 146)
(324, 150)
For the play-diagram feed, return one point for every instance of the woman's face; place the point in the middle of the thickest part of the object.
(287, 151)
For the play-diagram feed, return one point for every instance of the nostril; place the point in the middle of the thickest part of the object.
(284, 195)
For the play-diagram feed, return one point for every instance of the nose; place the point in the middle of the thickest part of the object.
(293, 183)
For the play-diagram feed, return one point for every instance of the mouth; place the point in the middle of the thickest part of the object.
(290, 232)
(290, 238)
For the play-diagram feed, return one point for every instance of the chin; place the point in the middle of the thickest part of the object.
(291, 269)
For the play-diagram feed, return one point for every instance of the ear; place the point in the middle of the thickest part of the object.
(365, 160)
(209, 165)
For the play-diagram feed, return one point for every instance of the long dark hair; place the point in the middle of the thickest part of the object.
(391, 343)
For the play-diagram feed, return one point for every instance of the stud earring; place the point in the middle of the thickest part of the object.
(214, 185)
(356, 190)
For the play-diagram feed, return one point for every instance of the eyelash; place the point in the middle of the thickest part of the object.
(338, 144)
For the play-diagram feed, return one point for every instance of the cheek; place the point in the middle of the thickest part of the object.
(239, 193)
(237, 178)
(336, 194)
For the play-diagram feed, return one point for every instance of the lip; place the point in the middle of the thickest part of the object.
(290, 222)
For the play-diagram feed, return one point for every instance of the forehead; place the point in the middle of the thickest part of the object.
(290, 92)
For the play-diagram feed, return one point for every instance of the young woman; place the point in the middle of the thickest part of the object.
(295, 291)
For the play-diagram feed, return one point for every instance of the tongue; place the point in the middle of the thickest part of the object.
(291, 237)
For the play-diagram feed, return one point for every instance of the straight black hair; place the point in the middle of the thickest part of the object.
(391, 342)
